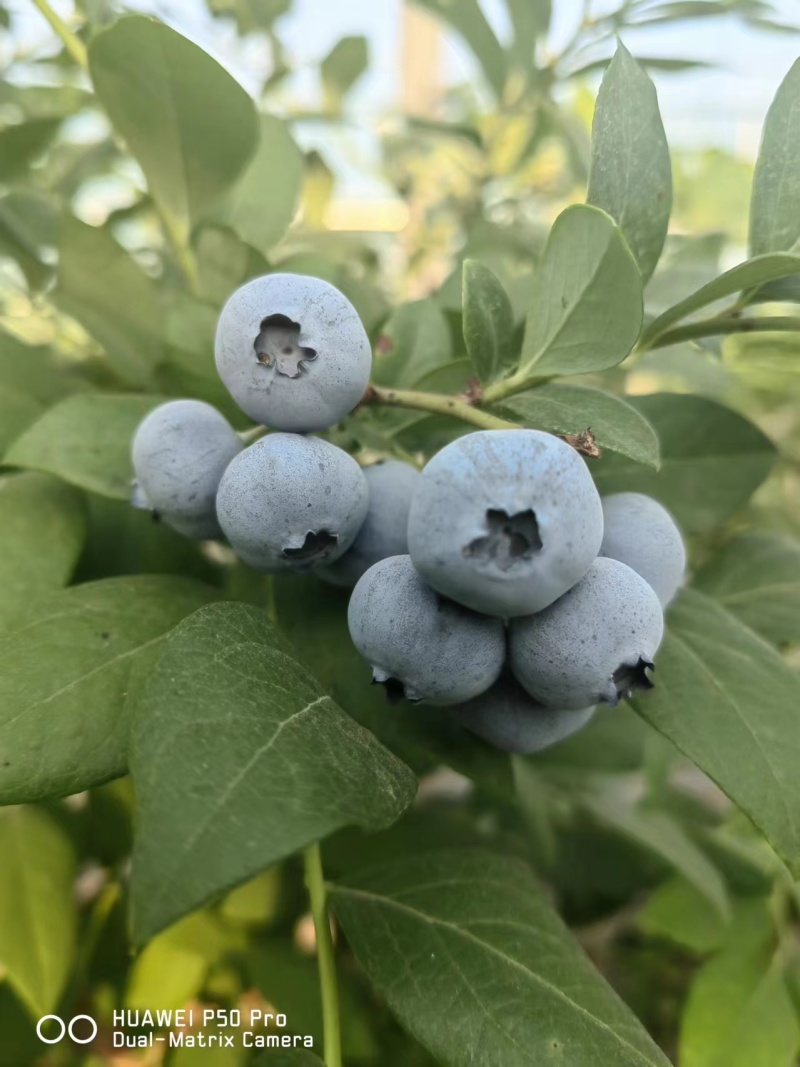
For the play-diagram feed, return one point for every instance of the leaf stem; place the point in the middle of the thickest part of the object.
(315, 883)
(73, 44)
(436, 404)
(724, 324)
(517, 383)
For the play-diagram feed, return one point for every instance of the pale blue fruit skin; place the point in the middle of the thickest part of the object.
(566, 656)
(641, 532)
(507, 718)
(441, 652)
(283, 488)
(511, 471)
(180, 451)
(328, 387)
(391, 484)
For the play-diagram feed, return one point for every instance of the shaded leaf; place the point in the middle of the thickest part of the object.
(42, 529)
(21, 144)
(683, 914)
(630, 176)
(190, 126)
(660, 833)
(106, 291)
(264, 200)
(86, 440)
(712, 460)
(586, 308)
(38, 917)
(756, 577)
(256, 734)
(616, 424)
(68, 669)
(727, 700)
(474, 961)
(488, 321)
(415, 341)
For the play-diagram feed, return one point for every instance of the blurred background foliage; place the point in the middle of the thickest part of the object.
(111, 277)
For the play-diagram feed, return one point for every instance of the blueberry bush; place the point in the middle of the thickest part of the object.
(397, 633)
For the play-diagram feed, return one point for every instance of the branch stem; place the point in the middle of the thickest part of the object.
(73, 44)
(436, 404)
(315, 883)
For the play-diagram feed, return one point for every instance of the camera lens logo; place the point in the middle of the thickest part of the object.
(66, 1028)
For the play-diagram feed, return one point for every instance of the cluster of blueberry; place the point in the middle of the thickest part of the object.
(495, 582)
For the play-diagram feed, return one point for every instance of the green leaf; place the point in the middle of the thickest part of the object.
(472, 958)
(616, 425)
(38, 917)
(42, 530)
(341, 69)
(661, 834)
(739, 1013)
(469, 22)
(750, 275)
(712, 460)
(104, 289)
(25, 215)
(68, 668)
(17, 412)
(586, 308)
(488, 321)
(775, 203)
(415, 341)
(315, 620)
(21, 144)
(31, 369)
(86, 440)
(756, 576)
(630, 176)
(264, 200)
(207, 128)
(682, 913)
(727, 700)
(240, 759)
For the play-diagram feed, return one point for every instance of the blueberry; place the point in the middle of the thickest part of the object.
(385, 531)
(422, 647)
(505, 521)
(508, 718)
(292, 352)
(596, 643)
(641, 532)
(291, 503)
(180, 451)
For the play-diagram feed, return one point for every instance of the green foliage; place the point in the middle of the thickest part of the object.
(86, 440)
(257, 735)
(70, 666)
(207, 129)
(665, 837)
(587, 277)
(495, 944)
(727, 700)
(488, 322)
(571, 409)
(712, 460)
(38, 919)
(631, 175)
